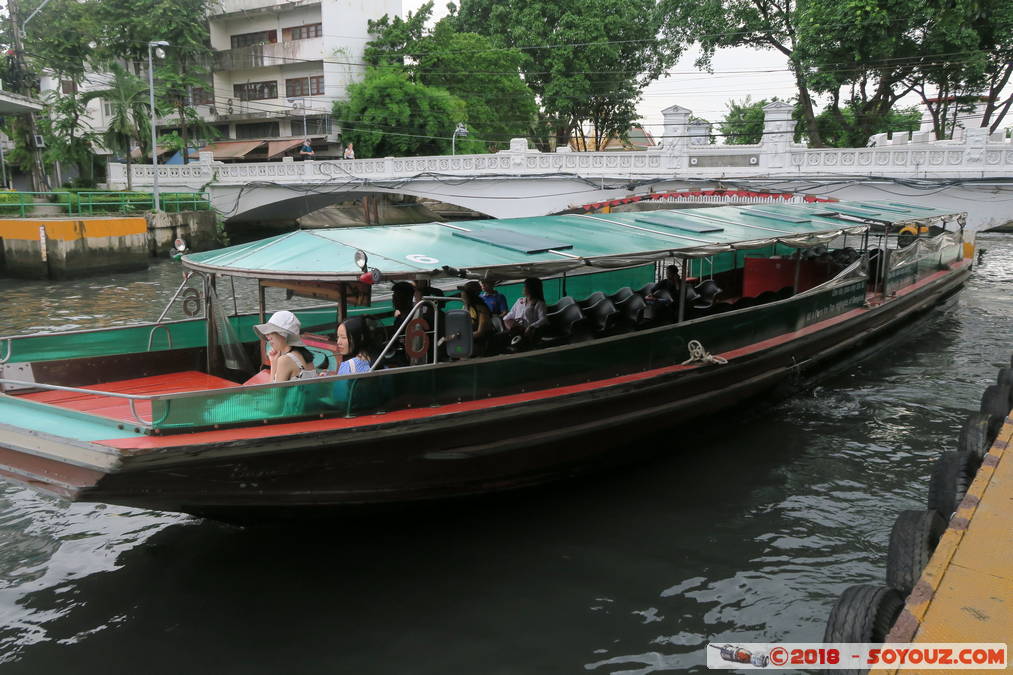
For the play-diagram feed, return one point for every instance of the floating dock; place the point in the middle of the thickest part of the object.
(965, 593)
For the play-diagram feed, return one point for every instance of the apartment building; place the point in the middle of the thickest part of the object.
(279, 66)
(277, 69)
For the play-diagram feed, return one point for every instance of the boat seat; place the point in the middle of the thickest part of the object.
(632, 311)
(590, 301)
(602, 315)
(645, 290)
(621, 295)
(563, 302)
(707, 290)
(748, 301)
(563, 324)
(766, 296)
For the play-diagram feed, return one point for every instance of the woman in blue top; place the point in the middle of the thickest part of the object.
(354, 348)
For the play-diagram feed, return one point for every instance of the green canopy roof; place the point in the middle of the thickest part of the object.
(517, 247)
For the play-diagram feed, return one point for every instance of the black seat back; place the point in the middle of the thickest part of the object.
(602, 315)
(563, 302)
(591, 300)
(631, 310)
(708, 290)
(645, 289)
(621, 295)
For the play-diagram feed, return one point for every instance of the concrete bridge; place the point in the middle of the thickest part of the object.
(973, 173)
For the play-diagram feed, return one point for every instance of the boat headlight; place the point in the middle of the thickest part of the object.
(361, 259)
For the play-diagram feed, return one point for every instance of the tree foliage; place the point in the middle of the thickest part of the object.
(388, 114)
(499, 105)
(743, 124)
(127, 96)
(862, 56)
(588, 61)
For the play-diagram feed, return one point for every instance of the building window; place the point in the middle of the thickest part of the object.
(255, 91)
(317, 126)
(316, 85)
(68, 86)
(107, 109)
(258, 38)
(258, 130)
(201, 96)
(297, 86)
(313, 30)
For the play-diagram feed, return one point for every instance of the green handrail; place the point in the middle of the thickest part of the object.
(88, 203)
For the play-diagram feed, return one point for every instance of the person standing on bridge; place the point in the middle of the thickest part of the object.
(349, 152)
(306, 151)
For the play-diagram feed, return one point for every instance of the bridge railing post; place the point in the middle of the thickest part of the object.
(778, 135)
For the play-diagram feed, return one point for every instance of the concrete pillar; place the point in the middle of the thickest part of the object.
(975, 139)
(778, 135)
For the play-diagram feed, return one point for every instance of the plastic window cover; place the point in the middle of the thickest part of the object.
(853, 272)
(921, 248)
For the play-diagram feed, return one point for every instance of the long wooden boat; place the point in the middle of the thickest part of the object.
(154, 415)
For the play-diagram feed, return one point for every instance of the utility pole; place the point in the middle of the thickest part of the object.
(23, 86)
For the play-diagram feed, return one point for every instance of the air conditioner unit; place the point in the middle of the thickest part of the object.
(40, 142)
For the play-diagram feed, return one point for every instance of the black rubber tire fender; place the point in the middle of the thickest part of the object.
(863, 613)
(995, 400)
(1005, 379)
(976, 435)
(952, 474)
(914, 537)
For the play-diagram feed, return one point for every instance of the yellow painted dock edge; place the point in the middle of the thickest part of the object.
(910, 623)
(27, 229)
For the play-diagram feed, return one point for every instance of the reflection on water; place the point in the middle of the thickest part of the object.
(744, 535)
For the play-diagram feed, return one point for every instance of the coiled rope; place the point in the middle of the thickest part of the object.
(697, 354)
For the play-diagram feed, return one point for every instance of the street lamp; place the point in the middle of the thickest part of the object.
(302, 104)
(461, 130)
(155, 47)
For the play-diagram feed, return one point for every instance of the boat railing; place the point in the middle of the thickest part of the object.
(430, 300)
(5, 354)
(132, 398)
(151, 334)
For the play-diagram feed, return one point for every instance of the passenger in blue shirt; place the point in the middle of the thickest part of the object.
(494, 300)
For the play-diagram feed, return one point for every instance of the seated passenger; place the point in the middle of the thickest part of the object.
(288, 356)
(494, 300)
(671, 284)
(481, 318)
(422, 289)
(528, 313)
(354, 349)
(403, 299)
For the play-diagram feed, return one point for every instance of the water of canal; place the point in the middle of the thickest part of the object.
(746, 533)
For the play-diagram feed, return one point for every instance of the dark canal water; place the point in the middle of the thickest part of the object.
(746, 533)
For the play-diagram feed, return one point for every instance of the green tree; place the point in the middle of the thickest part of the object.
(388, 114)
(743, 122)
(588, 60)
(500, 106)
(127, 97)
(848, 135)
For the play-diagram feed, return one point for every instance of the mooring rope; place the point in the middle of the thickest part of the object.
(697, 354)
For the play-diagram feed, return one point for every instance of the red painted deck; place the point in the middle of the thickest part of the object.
(119, 408)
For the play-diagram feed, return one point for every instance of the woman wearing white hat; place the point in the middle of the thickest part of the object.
(290, 360)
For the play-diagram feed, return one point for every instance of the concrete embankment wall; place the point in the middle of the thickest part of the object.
(59, 248)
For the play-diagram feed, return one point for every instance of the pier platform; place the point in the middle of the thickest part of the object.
(965, 593)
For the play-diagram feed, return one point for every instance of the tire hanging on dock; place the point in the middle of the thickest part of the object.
(951, 476)
(914, 537)
(995, 404)
(863, 613)
(975, 436)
